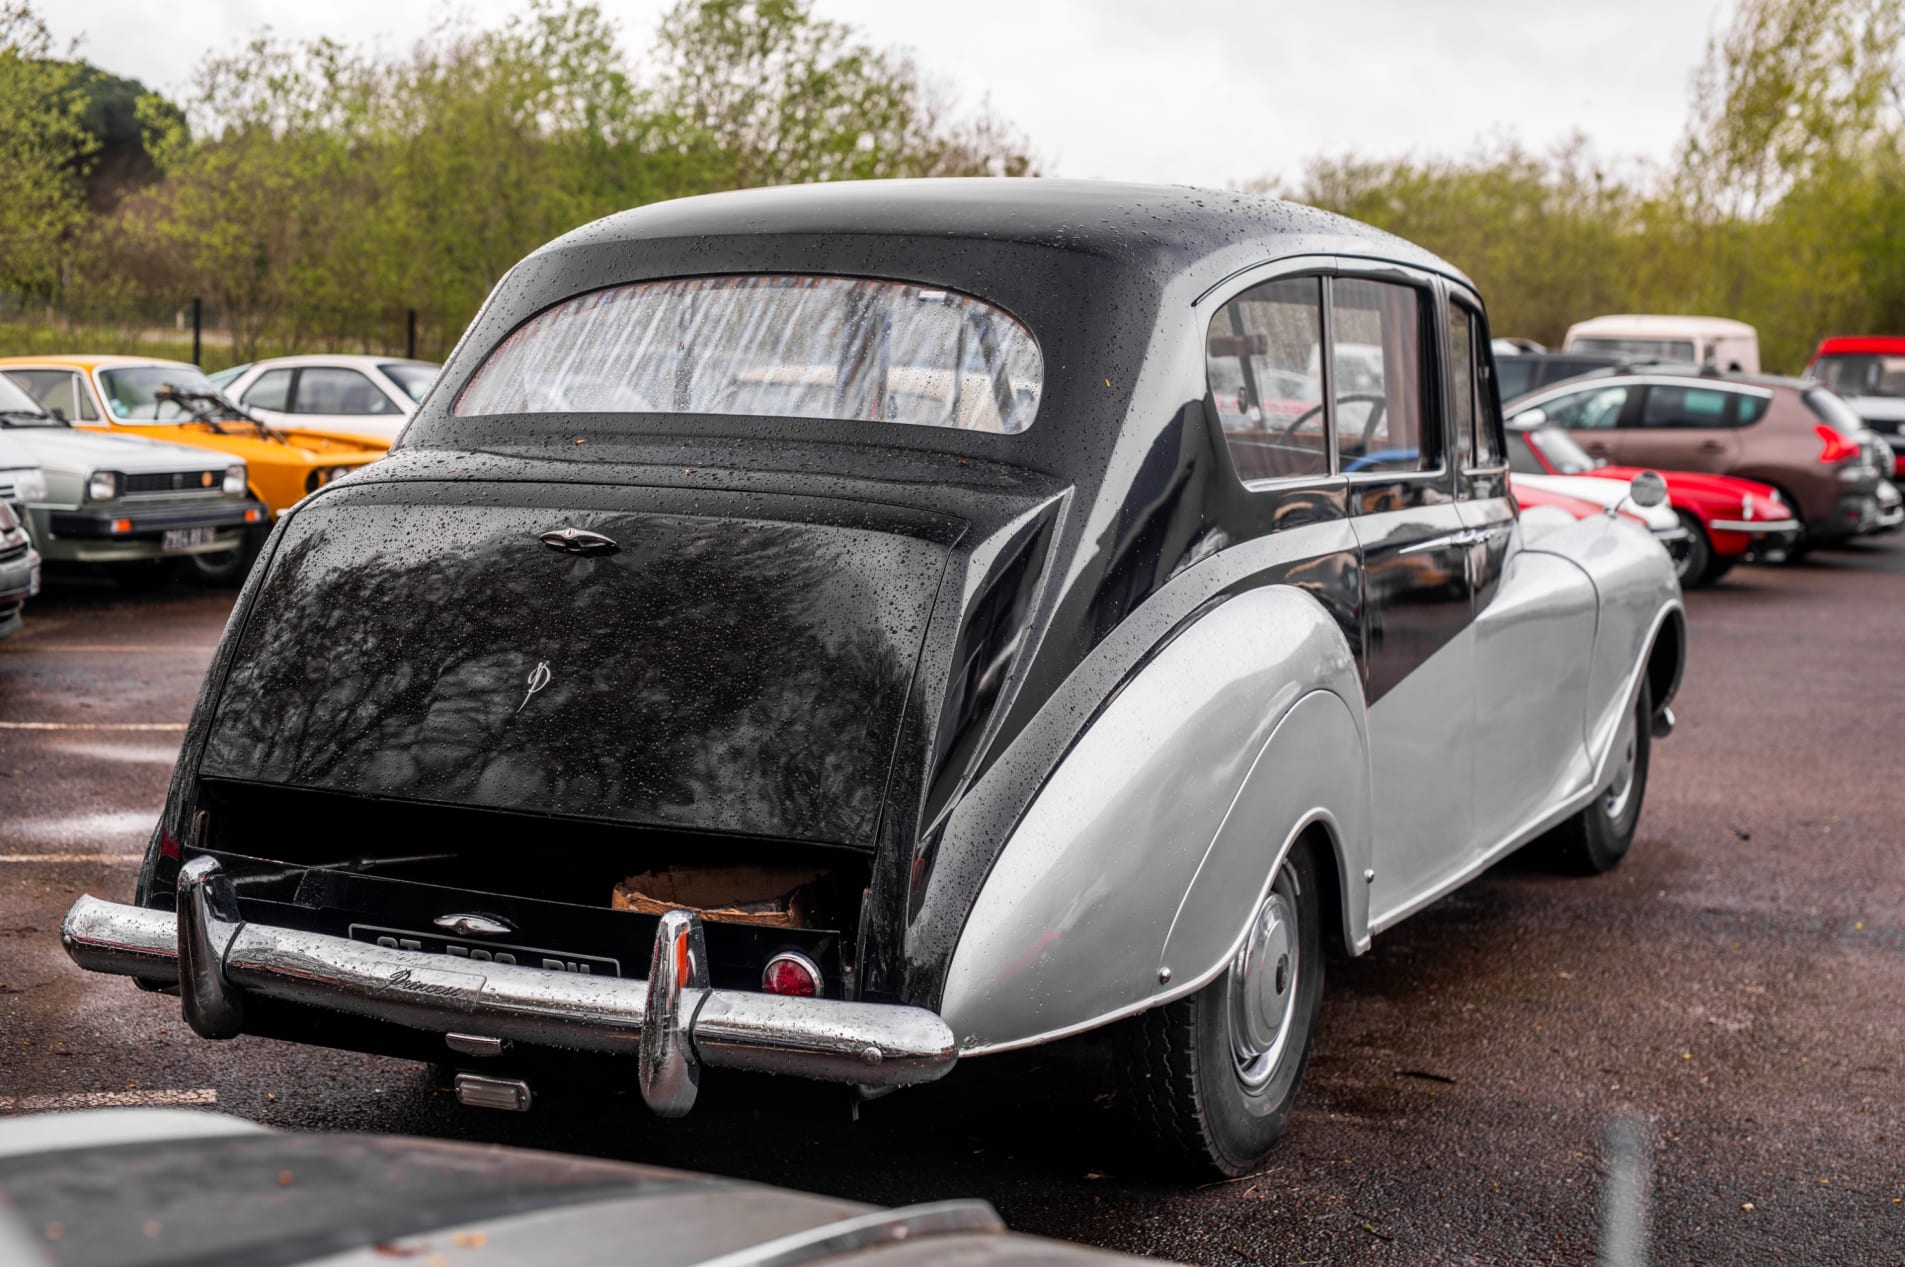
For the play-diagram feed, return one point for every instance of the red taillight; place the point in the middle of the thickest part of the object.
(168, 847)
(1836, 447)
(792, 974)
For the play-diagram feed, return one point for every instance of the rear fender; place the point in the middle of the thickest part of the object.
(1135, 872)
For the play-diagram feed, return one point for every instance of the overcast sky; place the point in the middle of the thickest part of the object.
(1209, 92)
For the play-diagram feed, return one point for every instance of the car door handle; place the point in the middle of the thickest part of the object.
(1712, 446)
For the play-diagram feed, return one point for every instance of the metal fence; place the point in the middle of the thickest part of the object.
(210, 335)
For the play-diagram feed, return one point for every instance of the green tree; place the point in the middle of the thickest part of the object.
(44, 149)
(767, 94)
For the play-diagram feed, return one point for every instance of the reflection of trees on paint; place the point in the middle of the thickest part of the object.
(731, 676)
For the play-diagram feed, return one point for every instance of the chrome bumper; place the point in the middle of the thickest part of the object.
(673, 1023)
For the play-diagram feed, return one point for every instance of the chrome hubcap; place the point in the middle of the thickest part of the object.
(1263, 981)
(1621, 788)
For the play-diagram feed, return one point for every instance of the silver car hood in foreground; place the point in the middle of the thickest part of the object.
(82, 451)
(273, 1198)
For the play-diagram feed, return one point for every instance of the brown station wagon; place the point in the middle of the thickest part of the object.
(1799, 437)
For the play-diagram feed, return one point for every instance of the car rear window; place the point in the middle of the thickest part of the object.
(1833, 411)
(769, 346)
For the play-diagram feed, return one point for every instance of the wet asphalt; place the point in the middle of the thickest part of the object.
(1733, 996)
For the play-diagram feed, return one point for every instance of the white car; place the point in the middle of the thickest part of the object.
(364, 397)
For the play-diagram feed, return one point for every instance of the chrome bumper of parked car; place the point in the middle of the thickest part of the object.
(1758, 527)
(673, 1022)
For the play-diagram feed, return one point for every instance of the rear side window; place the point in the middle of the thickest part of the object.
(1377, 378)
(770, 346)
(1690, 407)
(1263, 360)
(1477, 421)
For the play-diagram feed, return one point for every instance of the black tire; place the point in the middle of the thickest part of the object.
(1719, 568)
(1205, 1107)
(147, 576)
(1691, 568)
(227, 569)
(1596, 839)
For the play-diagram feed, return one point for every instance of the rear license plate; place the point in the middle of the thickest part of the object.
(186, 538)
(493, 952)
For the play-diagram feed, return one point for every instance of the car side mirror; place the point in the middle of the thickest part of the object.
(1648, 489)
(1531, 417)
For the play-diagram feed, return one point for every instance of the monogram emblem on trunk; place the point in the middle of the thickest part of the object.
(538, 678)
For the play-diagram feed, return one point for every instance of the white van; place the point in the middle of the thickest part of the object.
(1728, 345)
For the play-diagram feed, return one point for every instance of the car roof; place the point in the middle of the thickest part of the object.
(351, 360)
(1647, 323)
(1856, 344)
(87, 361)
(1090, 217)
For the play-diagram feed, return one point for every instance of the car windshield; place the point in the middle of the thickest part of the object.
(18, 409)
(770, 346)
(414, 377)
(1567, 457)
(1863, 375)
(133, 394)
(1637, 349)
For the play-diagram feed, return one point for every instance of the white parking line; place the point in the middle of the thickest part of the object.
(92, 725)
(105, 1100)
(47, 858)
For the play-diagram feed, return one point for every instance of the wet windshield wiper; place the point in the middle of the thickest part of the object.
(39, 415)
(206, 407)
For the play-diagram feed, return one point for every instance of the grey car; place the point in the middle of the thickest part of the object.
(170, 1186)
(19, 561)
(141, 509)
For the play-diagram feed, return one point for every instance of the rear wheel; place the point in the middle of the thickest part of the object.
(1690, 569)
(1597, 838)
(1213, 1076)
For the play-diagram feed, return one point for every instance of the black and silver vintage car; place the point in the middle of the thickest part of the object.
(846, 630)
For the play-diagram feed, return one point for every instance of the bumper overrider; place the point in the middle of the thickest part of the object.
(673, 1023)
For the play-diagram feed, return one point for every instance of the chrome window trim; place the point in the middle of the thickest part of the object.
(1329, 268)
(1472, 302)
(1434, 357)
(1213, 301)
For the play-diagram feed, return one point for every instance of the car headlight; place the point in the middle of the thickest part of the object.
(103, 486)
(29, 486)
(235, 479)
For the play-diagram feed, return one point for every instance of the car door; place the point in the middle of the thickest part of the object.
(1684, 427)
(1534, 619)
(1392, 438)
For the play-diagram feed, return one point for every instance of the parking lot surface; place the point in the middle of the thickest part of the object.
(1734, 992)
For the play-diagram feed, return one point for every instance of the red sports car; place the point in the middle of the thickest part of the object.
(1727, 519)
